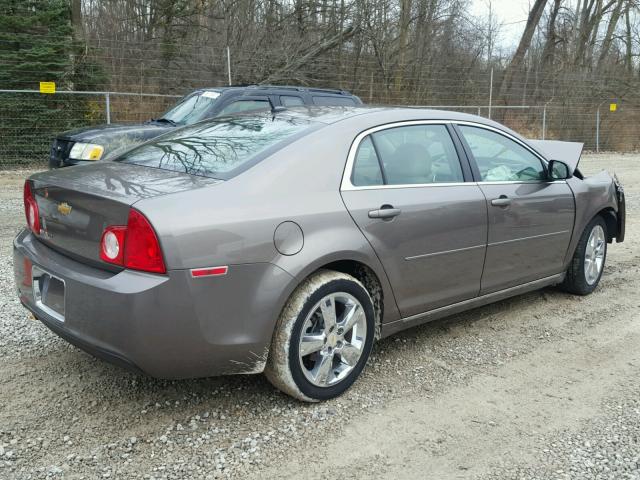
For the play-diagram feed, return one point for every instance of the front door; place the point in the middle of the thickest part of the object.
(530, 218)
(406, 190)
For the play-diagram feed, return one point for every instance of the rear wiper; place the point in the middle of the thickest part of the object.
(165, 120)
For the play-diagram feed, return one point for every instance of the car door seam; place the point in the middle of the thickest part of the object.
(395, 301)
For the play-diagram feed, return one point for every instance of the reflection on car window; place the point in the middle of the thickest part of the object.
(244, 106)
(192, 108)
(217, 148)
(501, 159)
(291, 101)
(366, 167)
(418, 154)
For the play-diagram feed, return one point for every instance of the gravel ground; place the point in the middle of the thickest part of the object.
(539, 386)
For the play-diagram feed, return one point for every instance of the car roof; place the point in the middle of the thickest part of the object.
(283, 89)
(366, 117)
(381, 115)
(371, 116)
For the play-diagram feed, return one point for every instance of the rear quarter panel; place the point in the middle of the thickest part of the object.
(234, 222)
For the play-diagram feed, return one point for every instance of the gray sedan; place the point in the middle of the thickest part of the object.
(288, 242)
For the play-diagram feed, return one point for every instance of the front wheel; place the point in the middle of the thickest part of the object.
(323, 338)
(588, 261)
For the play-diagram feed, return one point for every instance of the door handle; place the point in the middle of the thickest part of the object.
(385, 212)
(502, 201)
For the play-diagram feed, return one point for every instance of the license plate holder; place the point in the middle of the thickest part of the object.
(48, 293)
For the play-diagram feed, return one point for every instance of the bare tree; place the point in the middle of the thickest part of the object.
(525, 41)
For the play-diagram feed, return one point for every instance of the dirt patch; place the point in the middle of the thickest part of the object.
(525, 388)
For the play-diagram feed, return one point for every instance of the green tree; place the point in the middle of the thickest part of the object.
(37, 44)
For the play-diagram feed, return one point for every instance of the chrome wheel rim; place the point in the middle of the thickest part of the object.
(332, 339)
(594, 255)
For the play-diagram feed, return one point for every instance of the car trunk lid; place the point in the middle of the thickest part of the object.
(76, 204)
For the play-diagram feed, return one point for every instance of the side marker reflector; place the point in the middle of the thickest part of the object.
(209, 271)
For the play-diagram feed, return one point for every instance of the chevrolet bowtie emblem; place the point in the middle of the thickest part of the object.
(64, 208)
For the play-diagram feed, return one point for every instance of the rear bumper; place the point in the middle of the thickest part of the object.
(167, 326)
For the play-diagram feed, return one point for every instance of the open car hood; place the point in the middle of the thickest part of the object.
(567, 152)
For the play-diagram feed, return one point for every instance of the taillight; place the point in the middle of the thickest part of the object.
(31, 209)
(141, 246)
(133, 246)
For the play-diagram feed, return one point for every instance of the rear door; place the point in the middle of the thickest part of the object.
(530, 218)
(408, 191)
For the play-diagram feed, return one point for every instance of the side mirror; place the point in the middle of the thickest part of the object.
(559, 170)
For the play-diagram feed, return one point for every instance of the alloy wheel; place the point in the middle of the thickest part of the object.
(332, 339)
(594, 255)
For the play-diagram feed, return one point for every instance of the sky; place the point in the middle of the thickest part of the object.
(511, 13)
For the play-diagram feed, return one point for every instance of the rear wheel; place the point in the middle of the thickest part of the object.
(323, 338)
(588, 261)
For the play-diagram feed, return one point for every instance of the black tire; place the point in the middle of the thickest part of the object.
(283, 367)
(576, 279)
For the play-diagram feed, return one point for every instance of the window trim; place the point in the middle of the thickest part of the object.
(472, 158)
(347, 185)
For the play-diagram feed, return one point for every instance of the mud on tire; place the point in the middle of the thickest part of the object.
(292, 372)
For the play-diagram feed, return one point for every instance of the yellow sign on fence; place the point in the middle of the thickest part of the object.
(47, 87)
(613, 107)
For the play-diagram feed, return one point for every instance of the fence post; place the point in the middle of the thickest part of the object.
(598, 130)
(107, 104)
(479, 111)
(544, 122)
(490, 92)
(229, 64)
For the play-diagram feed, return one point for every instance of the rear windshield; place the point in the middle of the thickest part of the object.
(219, 148)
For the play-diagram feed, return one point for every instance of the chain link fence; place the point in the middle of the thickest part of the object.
(29, 120)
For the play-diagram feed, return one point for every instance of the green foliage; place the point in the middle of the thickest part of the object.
(37, 44)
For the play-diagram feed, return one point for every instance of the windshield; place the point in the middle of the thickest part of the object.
(219, 148)
(192, 108)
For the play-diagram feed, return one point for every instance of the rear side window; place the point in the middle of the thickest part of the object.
(244, 106)
(366, 167)
(415, 154)
(291, 101)
(219, 148)
(329, 101)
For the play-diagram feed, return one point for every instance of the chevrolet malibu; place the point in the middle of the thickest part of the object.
(288, 242)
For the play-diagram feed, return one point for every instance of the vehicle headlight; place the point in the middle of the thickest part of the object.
(86, 151)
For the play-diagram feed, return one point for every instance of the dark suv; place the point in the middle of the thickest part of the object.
(95, 143)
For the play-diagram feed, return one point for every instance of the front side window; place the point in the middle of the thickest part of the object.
(218, 149)
(415, 154)
(500, 159)
(244, 106)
